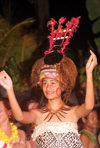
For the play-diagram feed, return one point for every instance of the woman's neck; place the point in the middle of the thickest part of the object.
(5, 127)
(89, 129)
(55, 109)
(55, 104)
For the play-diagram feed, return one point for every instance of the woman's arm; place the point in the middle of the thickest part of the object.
(88, 105)
(87, 142)
(6, 83)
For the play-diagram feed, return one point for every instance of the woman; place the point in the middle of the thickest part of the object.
(10, 136)
(88, 137)
(56, 122)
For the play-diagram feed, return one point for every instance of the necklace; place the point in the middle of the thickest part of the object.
(13, 137)
(59, 113)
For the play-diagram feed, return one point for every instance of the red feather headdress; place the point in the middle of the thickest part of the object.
(63, 33)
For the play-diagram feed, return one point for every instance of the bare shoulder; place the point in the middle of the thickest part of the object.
(81, 111)
(71, 108)
(68, 107)
(73, 113)
(37, 112)
(84, 137)
(86, 141)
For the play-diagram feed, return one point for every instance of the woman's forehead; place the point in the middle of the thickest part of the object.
(93, 113)
(50, 79)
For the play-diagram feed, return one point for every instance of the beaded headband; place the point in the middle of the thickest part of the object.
(49, 72)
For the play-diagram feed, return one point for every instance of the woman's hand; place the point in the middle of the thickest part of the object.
(5, 80)
(91, 63)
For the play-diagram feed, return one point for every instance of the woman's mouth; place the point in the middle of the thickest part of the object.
(49, 92)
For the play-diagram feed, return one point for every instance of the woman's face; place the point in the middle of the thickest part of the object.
(51, 88)
(92, 120)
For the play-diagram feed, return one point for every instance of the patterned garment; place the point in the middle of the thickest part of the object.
(57, 135)
(3, 145)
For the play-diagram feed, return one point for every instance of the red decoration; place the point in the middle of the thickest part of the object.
(61, 33)
(4, 146)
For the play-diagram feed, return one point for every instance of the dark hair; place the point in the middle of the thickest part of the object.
(6, 103)
(90, 112)
(80, 122)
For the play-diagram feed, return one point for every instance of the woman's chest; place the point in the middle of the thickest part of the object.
(62, 116)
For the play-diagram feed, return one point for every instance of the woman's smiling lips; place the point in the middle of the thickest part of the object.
(49, 92)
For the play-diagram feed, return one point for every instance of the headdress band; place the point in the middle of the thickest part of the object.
(49, 72)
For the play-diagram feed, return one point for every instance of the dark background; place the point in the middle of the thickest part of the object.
(15, 11)
(42, 10)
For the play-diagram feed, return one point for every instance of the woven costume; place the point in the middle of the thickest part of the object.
(3, 145)
(57, 135)
(57, 66)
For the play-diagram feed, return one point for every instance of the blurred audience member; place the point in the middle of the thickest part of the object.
(31, 104)
(10, 136)
(88, 133)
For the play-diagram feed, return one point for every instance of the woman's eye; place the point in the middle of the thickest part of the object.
(53, 83)
(44, 83)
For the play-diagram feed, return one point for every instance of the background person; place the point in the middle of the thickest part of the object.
(10, 136)
(88, 136)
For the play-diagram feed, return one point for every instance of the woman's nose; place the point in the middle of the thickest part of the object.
(48, 87)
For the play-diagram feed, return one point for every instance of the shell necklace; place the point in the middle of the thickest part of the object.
(58, 113)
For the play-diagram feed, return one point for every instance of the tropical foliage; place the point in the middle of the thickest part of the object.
(93, 8)
(17, 44)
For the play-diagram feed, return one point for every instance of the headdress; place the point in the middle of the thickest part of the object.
(55, 62)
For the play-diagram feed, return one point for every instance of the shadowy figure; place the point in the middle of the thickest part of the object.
(10, 136)
(90, 125)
